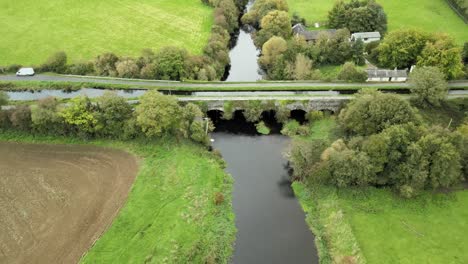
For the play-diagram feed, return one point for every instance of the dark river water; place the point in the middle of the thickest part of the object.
(244, 55)
(271, 224)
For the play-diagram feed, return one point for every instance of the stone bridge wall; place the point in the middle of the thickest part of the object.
(319, 104)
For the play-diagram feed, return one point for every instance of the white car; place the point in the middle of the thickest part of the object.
(25, 72)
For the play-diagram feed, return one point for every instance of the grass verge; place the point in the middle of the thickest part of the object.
(170, 215)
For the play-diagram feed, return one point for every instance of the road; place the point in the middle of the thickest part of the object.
(175, 84)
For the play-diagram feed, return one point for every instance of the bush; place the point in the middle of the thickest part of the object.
(428, 85)
(127, 68)
(13, 68)
(219, 198)
(81, 68)
(170, 63)
(371, 112)
(350, 73)
(105, 64)
(314, 116)
(113, 112)
(56, 63)
(3, 99)
(21, 118)
(262, 128)
(293, 128)
(46, 119)
(358, 16)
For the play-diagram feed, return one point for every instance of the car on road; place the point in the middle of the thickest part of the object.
(25, 72)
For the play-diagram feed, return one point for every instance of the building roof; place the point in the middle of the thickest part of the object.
(375, 73)
(300, 29)
(363, 35)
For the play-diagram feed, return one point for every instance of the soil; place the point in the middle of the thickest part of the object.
(57, 200)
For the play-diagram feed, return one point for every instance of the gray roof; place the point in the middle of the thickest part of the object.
(386, 73)
(300, 29)
(363, 35)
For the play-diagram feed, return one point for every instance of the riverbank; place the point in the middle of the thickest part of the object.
(171, 213)
(375, 225)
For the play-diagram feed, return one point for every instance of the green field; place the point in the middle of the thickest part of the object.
(384, 228)
(431, 16)
(32, 30)
(170, 215)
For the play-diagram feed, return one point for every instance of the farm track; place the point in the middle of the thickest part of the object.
(56, 200)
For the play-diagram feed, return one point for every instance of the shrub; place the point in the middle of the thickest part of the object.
(21, 118)
(282, 114)
(170, 63)
(275, 23)
(350, 73)
(3, 98)
(79, 115)
(149, 71)
(428, 85)
(262, 128)
(13, 68)
(56, 63)
(46, 119)
(105, 64)
(113, 112)
(314, 116)
(293, 128)
(371, 112)
(81, 68)
(305, 156)
(358, 16)
(219, 198)
(127, 68)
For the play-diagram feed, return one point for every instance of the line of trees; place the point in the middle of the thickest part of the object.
(110, 116)
(168, 63)
(385, 144)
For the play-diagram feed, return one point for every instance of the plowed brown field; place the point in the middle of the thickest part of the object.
(56, 200)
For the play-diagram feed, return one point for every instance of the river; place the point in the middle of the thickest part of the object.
(271, 224)
(244, 55)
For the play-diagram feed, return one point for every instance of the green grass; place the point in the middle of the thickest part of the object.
(376, 225)
(33, 30)
(451, 112)
(431, 16)
(323, 128)
(170, 215)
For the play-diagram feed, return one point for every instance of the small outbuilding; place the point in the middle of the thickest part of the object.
(311, 35)
(378, 75)
(366, 37)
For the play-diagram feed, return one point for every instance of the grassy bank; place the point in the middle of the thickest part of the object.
(380, 227)
(170, 215)
(33, 30)
(431, 16)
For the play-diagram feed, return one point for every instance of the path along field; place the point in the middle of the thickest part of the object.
(32, 30)
(56, 200)
(431, 16)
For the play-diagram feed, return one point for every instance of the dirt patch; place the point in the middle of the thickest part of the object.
(56, 200)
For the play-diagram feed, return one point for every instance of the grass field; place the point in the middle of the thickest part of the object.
(431, 16)
(32, 30)
(384, 228)
(170, 215)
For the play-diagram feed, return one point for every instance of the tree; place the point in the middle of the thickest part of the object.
(275, 23)
(105, 64)
(358, 16)
(158, 114)
(371, 112)
(444, 54)
(302, 67)
(261, 8)
(273, 48)
(401, 48)
(127, 68)
(170, 63)
(305, 157)
(46, 119)
(3, 98)
(113, 112)
(80, 116)
(350, 73)
(434, 161)
(357, 52)
(56, 63)
(428, 85)
(228, 12)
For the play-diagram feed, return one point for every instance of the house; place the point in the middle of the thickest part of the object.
(311, 35)
(366, 37)
(377, 75)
